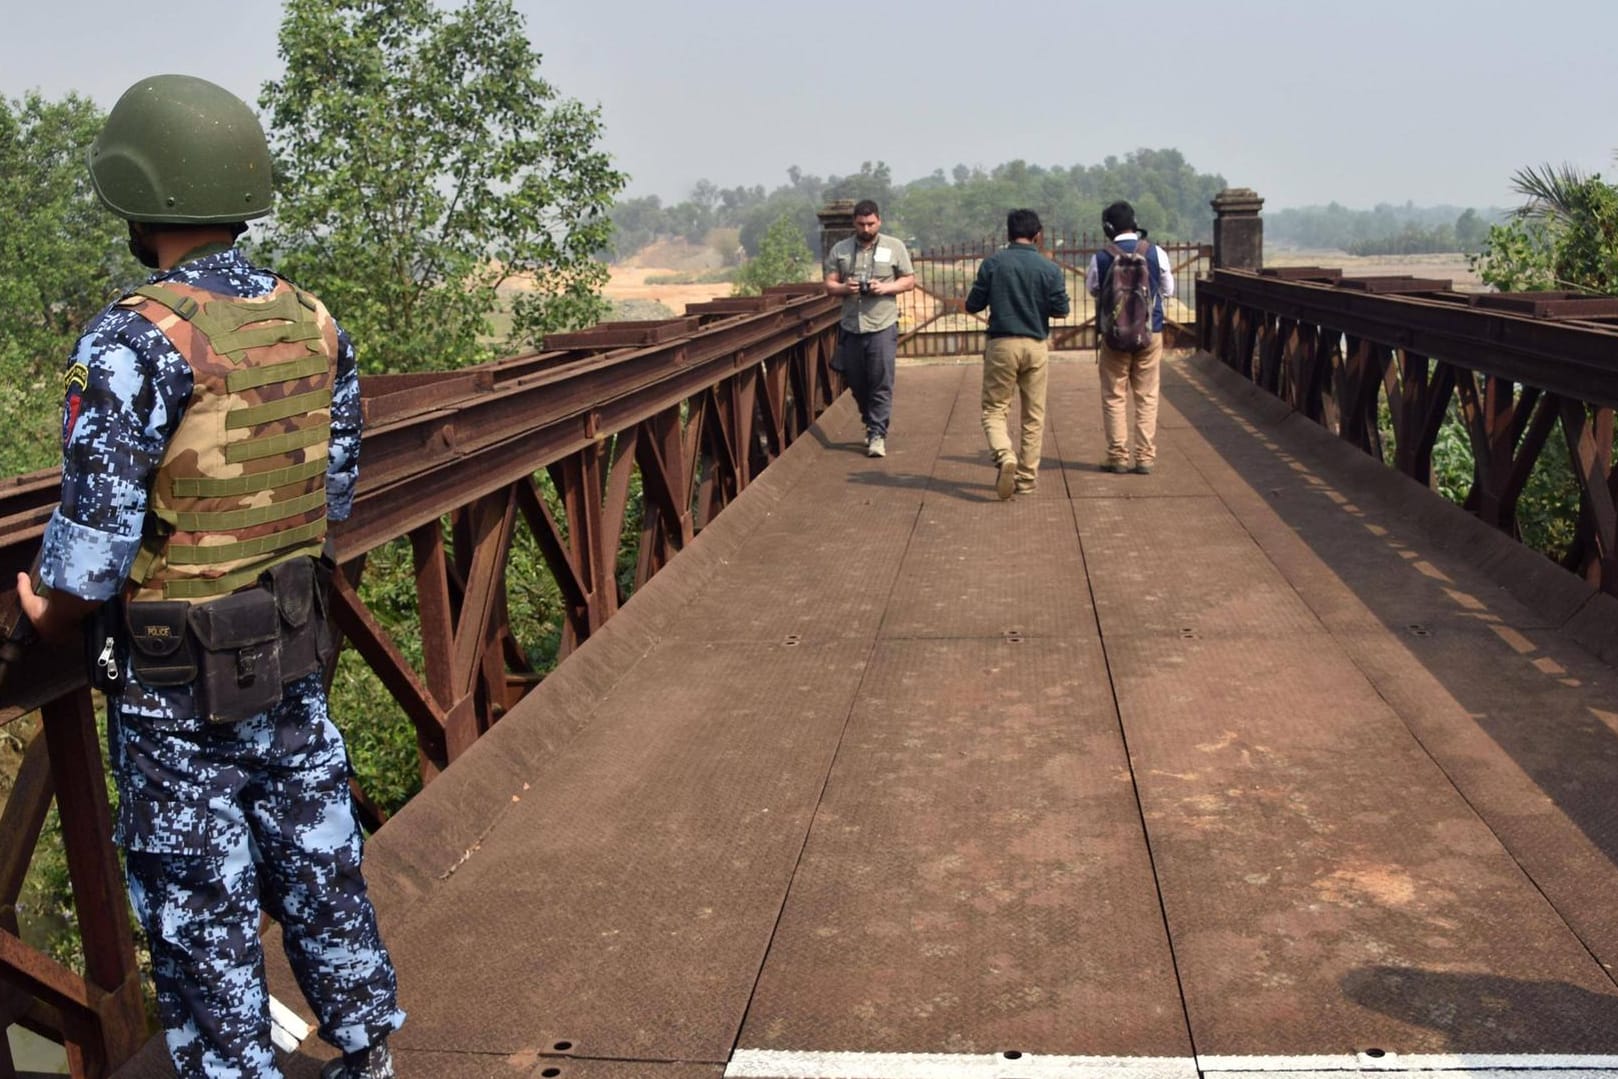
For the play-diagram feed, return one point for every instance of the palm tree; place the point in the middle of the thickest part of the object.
(1552, 191)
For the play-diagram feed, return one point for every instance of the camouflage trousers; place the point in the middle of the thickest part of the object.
(219, 821)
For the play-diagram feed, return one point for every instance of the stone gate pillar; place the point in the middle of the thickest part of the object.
(836, 223)
(1238, 230)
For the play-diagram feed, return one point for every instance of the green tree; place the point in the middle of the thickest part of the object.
(1581, 215)
(62, 258)
(783, 257)
(422, 164)
(1470, 231)
(1516, 257)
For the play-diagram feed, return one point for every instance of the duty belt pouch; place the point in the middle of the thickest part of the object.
(160, 650)
(302, 618)
(104, 648)
(239, 645)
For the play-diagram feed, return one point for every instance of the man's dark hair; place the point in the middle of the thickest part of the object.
(866, 207)
(1022, 225)
(1119, 217)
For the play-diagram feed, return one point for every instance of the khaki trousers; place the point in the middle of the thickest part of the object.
(1131, 377)
(1020, 365)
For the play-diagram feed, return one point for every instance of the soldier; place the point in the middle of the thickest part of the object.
(211, 430)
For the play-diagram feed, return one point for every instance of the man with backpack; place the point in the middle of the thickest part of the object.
(1023, 291)
(1130, 279)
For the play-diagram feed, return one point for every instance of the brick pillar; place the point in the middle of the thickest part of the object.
(1238, 230)
(836, 223)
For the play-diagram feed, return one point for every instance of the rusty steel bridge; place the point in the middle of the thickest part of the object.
(1273, 763)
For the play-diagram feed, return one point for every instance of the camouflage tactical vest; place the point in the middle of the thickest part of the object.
(242, 485)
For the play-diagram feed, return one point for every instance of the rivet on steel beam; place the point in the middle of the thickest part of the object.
(443, 438)
(592, 424)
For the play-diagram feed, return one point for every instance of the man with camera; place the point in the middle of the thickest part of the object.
(868, 269)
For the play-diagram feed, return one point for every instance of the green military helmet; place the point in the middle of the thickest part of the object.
(180, 150)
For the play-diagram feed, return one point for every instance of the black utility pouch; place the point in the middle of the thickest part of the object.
(293, 584)
(239, 642)
(104, 648)
(160, 650)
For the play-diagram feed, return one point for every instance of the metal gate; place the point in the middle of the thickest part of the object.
(933, 319)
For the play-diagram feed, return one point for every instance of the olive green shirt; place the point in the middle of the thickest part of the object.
(885, 260)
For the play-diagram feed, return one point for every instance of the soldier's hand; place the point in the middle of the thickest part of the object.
(55, 616)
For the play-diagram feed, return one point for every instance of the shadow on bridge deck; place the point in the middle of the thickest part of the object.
(1252, 764)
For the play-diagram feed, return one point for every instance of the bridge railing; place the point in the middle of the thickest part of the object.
(695, 407)
(933, 319)
(1348, 352)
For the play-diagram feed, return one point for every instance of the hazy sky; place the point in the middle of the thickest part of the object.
(1363, 101)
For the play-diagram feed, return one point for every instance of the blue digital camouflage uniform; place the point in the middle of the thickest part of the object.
(217, 820)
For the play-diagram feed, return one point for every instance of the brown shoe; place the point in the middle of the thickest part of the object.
(1006, 478)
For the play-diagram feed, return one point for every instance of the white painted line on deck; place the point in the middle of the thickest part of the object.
(788, 1064)
(1389, 1062)
(781, 1064)
(1462, 1073)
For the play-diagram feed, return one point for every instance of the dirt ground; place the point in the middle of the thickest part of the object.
(629, 283)
(1450, 267)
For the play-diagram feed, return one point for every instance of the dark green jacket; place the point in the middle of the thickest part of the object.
(1023, 291)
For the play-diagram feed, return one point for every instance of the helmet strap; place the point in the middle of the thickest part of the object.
(143, 251)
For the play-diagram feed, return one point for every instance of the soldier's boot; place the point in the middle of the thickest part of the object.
(374, 1062)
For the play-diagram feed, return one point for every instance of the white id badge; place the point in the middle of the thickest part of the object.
(884, 255)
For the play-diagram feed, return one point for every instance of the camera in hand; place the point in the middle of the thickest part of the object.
(864, 281)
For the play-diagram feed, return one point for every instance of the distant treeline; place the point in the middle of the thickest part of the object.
(1170, 198)
(1385, 230)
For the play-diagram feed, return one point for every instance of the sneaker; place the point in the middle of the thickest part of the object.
(1115, 466)
(1006, 477)
(1025, 488)
(1144, 468)
(876, 447)
(374, 1062)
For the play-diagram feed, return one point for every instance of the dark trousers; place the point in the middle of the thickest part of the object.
(866, 360)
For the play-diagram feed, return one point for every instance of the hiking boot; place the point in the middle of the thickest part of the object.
(876, 447)
(1118, 467)
(1005, 477)
(373, 1062)
(1144, 468)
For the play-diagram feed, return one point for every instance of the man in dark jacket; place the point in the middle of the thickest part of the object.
(1023, 291)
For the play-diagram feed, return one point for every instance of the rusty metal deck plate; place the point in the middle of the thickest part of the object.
(992, 571)
(976, 880)
(1526, 726)
(625, 903)
(815, 572)
(1327, 889)
(1182, 567)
